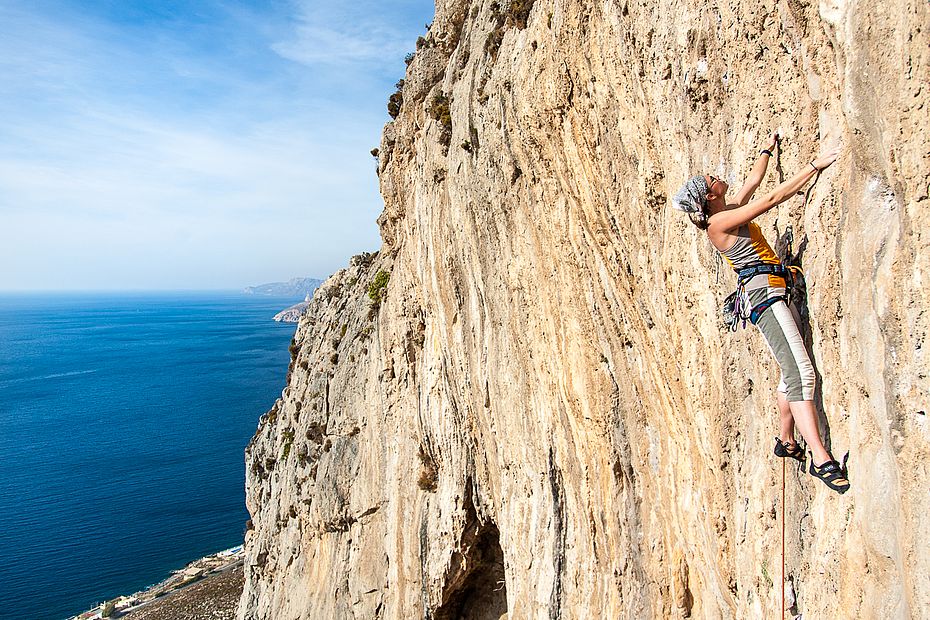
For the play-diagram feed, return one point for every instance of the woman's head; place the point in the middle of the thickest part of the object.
(697, 195)
(692, 199)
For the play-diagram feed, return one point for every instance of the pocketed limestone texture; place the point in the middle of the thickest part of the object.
(539, 414)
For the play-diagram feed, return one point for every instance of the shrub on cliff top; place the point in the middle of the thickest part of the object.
(396, 100)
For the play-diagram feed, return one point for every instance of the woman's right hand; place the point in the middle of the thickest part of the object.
(826, 158)
(772, 140)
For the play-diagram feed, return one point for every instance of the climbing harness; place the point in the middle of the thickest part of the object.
(736, 308)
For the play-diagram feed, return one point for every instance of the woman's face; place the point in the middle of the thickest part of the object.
(715, 186)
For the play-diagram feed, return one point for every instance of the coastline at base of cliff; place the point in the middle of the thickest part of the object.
(206, 588)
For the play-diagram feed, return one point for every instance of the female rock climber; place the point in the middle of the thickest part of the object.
(730, 228)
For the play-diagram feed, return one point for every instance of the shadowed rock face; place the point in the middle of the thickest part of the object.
(544, 395)
(475, 582)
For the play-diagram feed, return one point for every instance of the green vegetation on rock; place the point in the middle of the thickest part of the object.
(376, 290)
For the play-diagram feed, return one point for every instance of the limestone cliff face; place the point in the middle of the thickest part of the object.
(543, 416)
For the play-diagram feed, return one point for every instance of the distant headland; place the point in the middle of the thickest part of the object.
(298, 288)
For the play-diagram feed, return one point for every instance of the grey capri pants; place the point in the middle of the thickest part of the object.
(780, 325)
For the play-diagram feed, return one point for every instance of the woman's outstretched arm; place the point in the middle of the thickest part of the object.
(758, 171)
(734, 218)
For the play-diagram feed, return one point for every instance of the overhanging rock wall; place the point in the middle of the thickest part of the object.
(543, 416)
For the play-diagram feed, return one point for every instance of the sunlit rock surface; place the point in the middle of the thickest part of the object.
(543, 417)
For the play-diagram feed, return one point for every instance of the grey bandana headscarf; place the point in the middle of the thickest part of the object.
(692, 197)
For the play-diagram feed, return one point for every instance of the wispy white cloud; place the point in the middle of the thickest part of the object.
(340, 33)
(135, 154)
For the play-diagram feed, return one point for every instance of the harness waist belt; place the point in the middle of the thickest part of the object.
(741, 309)
(762, 268)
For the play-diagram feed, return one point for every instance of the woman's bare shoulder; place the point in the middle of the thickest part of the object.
(722, 238)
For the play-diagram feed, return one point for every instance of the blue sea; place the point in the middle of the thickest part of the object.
(124, 423)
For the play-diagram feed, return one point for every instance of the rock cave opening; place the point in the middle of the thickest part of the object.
(476, 585)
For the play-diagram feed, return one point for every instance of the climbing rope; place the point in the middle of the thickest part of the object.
(783, 515)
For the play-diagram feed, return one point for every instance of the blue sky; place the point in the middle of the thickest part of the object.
(192, 145)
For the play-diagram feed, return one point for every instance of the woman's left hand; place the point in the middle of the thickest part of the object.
(826, 158)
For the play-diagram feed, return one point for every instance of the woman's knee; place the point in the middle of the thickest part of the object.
(808, 379)
(801, 383)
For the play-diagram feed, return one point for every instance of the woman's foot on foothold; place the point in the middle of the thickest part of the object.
(832, 474)
(788, 450)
